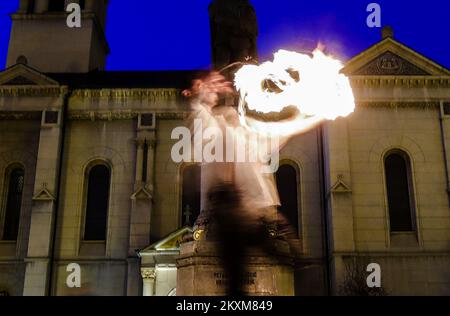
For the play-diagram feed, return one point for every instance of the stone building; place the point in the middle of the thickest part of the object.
(86, 174)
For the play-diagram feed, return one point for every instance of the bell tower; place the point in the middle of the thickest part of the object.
(234, 31)
(41, 37)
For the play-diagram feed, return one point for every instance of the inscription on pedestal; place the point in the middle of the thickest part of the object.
(221, 279)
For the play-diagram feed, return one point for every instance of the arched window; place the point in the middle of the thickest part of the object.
(399, 191)
(56, 5)
(99, 178)
(190, 200)
(287, 185)
(15, 182)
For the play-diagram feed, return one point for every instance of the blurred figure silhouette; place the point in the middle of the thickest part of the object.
(240, 209)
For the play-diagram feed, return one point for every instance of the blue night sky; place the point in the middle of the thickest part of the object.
(174, 34)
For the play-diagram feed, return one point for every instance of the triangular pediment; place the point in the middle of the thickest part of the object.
(142, 194)
(20, 75)
(44, 195)
(391, 58)
(170, 242)
(340, 186)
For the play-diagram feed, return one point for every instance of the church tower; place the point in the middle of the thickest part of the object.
(234, 31)
(41, 37)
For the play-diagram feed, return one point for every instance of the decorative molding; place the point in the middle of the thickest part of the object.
(398, 104)
(102, 115)
(340, 186)
(44, 194)
(398, 49)
(20, 115)
(22, 75)
(401, 81)
(148, 273)
(19, 81)
(80, 115)
(172, 115)
(32, 91)
(389, 63)
(153, 94)
(142, 194)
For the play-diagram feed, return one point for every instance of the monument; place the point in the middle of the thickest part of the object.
(200, 271)
(201, 266)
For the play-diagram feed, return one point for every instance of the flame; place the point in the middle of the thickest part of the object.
(313, 84)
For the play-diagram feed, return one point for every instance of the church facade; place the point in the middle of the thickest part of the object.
(86, 174)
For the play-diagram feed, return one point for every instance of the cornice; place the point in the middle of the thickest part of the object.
(401, 81)
(32, 91)
(154, 94)
(399, 104)
(81, 115)
(20, 115)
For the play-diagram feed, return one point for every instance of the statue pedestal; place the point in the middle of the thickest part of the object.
(200, 272)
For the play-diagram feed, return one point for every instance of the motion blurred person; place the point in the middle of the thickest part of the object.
(240, 211)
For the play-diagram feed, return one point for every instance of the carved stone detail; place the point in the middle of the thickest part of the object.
(403, 81)
(20, 115)
(148, 273)
(390, 64)
(422, 105)
(31, 91)
(19, 81)
(154, 94)
(121, 115)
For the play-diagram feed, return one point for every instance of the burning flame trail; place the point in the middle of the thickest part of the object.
(313, 84)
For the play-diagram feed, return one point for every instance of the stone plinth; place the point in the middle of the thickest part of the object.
(200, 272)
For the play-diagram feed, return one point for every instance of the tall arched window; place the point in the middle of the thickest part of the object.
(287, 184)
(190, 200)
(15, 180)
(399, 191)
(99, 178)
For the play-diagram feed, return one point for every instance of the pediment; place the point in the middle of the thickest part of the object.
(44, 194)
(340, 186)
(170, 242)
(20, 75)
(142, 194)
(391, 58)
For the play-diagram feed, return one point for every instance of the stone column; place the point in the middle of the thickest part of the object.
(41, 236)
(148, 281)
(151, 142)
(139, 161)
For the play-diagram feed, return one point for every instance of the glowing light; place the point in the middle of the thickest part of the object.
(313, 84)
